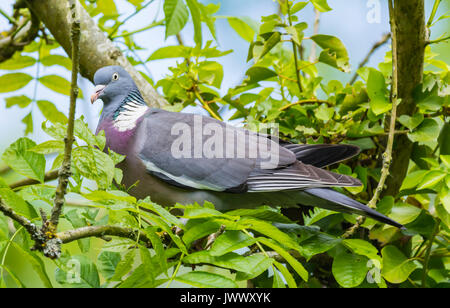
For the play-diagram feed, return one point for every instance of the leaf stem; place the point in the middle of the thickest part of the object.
(428, 253)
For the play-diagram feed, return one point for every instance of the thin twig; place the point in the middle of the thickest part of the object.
(206, 105)
(428, 253)
(312, 55)
(64, 171)
(375, 46)
(294, 49)
(305, 101)
(387, 155)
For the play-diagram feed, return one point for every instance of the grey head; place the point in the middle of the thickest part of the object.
(112, 85)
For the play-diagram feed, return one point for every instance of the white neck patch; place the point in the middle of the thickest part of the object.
(128, 115)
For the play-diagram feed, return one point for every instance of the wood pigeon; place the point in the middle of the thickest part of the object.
(186, 158)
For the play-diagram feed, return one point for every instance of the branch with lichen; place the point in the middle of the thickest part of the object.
(387, 155)
(64, 172)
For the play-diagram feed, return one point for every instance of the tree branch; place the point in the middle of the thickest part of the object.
(21, 34)
(102, 231)
(49, 176)
(64, 171)
(96, 50)
(410, 32)
(305, 101)
(387, 155)
(375, 46)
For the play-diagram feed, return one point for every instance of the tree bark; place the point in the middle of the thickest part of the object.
(96, 50)
(411, 39)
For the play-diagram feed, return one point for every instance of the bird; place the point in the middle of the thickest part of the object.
(186, 158)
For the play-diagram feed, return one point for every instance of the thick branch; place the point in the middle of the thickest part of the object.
(102, 231)
(96, 50)
(21, 34)
(410, 31)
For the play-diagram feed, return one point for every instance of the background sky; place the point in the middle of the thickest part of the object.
(348, 21)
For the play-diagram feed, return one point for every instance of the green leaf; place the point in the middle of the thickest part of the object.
(321, 5)
(14, 201)
(269, 44)
(36, 263)
(269, 230)
(170, 52)
(107, 263)
(404, 213)
(362, 247)
(51, 113)
(349, 269)
(28, 121)
(206, 280)
(22, 101)
(140, 278)
(78, 272)
(297, 266)
(17, 62)
(13, 82)
(286, 274)
(413, 179)
(296, 32)
(196, 20)
(176, 16)
(107, 7)
(264, 213)
(49, 147)
(444, 140)
(230, 241)
(396, 267)
(428, 130)
(58, 84)
(95, 165)
(258, 73)
(158, 247)
(411, 122)
(315, 215)
(298, 7)
(57, 60)
(334, 52)
(324, 113)
(376, 89)
(242, 28)
(210, 72)
(431, 179)
(199, 230)
(124, 266)
(25, 162)
(230, 260)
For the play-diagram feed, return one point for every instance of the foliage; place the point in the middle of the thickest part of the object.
(215, 249)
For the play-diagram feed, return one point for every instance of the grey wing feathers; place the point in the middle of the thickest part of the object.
(297, 176)
(239, 173)
(156, 138)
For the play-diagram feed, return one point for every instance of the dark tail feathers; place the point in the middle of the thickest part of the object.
(342, 203)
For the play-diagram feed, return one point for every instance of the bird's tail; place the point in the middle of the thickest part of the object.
(335, 201)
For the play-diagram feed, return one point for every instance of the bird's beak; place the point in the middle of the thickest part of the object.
(97, 92)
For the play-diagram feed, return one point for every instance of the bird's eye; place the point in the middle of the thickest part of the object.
(115, 76)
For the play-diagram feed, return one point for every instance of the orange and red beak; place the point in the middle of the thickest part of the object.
(97, 92)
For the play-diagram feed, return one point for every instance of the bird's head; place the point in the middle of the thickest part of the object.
(111, 82)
